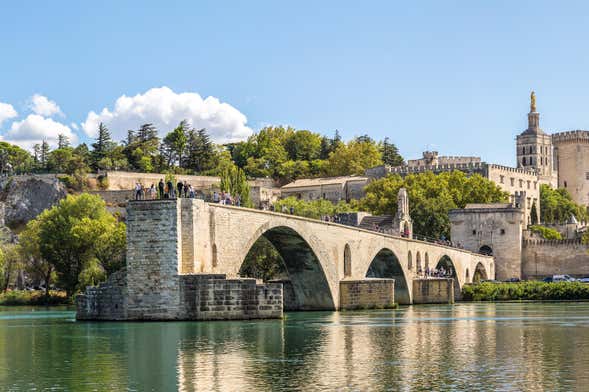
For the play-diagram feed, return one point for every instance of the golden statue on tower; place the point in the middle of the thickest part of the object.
(533, 102)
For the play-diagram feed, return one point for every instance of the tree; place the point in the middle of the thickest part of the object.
(534, 214)
(35, 264)
(62, 141)
(557, 206)
(314, 209)
(44, 155)
(70, 236)
(9, 265)
(390, 154)
(175, 143)
(234, 182)
(102, 146)
(201, 151)
(353, 158)
(263, 261)
(14, 159)
(431, 197)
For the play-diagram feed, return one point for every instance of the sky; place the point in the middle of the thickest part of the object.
(451, 76)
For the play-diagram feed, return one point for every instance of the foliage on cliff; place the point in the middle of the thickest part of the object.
(557, 206)
(431, 198)
(312, 209)
(526, 291)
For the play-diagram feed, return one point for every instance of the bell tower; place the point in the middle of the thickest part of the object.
(534, 147)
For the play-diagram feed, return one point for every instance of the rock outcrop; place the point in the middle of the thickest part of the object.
(25, 197)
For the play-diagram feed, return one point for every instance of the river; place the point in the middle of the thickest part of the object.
(482, 346)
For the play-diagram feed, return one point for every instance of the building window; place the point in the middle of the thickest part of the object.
(524, 161)
(512, 181)
(501, 178)
(565, 184)
(474, 232)
(521, 183)
(535, 184)
(587, 176)
(502, 231)
(529, 184)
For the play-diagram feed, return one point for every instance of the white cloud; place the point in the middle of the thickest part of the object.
(74, 126)
(34, 129)
(43, 106)
(6, 112)
(165, 109)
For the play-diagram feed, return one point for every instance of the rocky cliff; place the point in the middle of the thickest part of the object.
(25, 197)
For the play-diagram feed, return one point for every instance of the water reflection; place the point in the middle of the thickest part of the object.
(460, 347)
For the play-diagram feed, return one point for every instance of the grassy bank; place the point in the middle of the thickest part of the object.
(33, 298)
(534, 291)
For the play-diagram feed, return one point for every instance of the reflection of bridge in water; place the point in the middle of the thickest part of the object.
(317, 254)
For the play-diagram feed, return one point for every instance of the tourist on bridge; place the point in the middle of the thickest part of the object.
(171, 193)
(137, 191)
(180, 185)
(161, 186)
(215, 197)
(185, 187)
(190, 192)
(152, 192)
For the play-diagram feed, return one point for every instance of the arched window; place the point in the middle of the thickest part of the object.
(409, 261)
(418, 261)
(524, 161)
(215, 255)
(426, 260)
(467, 273)
(347, 261)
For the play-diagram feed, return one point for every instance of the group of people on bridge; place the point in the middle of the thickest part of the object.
(435, 272)
(164, 190)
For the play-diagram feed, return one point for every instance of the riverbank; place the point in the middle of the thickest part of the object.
(33, 298)
(532, 290)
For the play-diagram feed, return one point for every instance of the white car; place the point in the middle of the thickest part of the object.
(563, 278)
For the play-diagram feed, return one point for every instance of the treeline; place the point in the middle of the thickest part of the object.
(281, 153)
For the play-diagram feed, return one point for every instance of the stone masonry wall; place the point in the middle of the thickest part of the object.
(541, 258)
(153, 259)
(212, 297)
(369, 293)
(433, 291)
(105, 302)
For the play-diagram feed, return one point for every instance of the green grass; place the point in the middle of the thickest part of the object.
(532, 290)
(23, 297)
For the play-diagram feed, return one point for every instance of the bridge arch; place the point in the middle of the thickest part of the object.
(486, 250)
(448, 265)
(305, 271)
(385, 264)
(479, 273)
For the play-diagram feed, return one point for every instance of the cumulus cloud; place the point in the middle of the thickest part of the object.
(6, 112)
(43, 106)
(74, 126)
(34, 129)
(165, 109)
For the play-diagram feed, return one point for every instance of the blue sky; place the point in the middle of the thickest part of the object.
(454, 76)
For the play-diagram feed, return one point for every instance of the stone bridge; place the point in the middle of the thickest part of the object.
(215, 239)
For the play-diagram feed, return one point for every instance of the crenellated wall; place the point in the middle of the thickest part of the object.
(541, 258)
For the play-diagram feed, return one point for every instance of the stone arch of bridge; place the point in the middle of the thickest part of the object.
(386, 264)
(305, 268)
(480, 273)
(447, 264)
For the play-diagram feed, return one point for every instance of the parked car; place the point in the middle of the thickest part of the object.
(563, 278)
(583, 280)
(547, 279)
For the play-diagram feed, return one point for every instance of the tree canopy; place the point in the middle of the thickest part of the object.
(557, 206)
(431, 198)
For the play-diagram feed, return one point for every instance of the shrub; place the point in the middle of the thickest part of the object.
(532, 290)
(102, 182)
(33, 298)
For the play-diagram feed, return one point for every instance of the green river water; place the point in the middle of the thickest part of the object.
(471, 347)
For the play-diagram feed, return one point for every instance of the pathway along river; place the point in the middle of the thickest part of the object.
(506, 346)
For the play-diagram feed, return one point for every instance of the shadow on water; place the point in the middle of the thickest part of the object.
(519, 346)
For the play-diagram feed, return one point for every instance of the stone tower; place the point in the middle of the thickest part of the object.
(402, 221)
(534, 147)
(572, 159)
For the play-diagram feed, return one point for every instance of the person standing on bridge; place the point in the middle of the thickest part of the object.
(161, 188)
(170, 185)
(180, 185)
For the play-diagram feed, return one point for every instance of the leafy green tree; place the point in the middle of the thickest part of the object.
(431, 197)
(175, 144)
(71, 234)
(534, 214)
(390, 154)
(13, 158)
(303, 146)
(264, 262)
(200, 151)
(354, 158)
(142, 148)
(35, 264)
(10, 263)
(557, 206)
(314, 209)
(546, 232)
(233, 180)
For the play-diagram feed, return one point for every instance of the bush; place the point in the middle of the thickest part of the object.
(546, 232)
(33, 298)
(532, 290)
(102, 182)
